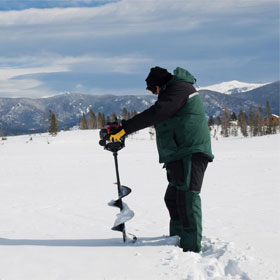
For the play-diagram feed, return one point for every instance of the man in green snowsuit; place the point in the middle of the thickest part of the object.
(184, 146)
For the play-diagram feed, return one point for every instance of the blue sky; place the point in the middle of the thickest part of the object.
(108, 47)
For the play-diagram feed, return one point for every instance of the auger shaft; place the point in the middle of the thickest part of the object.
(125, 214)
(115, 154)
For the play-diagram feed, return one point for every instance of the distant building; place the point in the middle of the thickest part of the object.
(274, 120)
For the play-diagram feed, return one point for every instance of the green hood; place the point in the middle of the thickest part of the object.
(183, 75)
(180, 74)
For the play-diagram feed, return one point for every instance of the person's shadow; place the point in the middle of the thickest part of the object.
(111, 242)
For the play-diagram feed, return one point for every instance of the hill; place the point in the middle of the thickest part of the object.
(25, 115)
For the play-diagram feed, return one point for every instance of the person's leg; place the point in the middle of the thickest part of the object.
(175, 226)
(189, 203)
(175, 175)
(189, 207)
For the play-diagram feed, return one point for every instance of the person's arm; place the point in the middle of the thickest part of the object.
(169, 103)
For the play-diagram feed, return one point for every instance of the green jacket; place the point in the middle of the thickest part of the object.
(185, 133)
(179, 118)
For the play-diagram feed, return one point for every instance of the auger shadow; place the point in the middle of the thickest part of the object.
(110, 242)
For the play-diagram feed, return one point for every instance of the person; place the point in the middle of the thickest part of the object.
(184, 146)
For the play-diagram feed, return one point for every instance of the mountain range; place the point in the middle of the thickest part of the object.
(25, 115)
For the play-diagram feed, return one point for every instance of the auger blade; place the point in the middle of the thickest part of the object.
(125, 215)
(115, 203)
(118, 228)
(124, 191)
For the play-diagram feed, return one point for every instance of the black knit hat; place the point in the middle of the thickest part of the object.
(157, 77)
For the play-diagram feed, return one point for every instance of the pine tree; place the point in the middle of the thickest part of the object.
(211, 122)
(233, 117)
(218, 121)
(83, 123)
(133, 113)
(99, 120)
(2, 133)
(225, 122)
(259, 121)
(50, 119)
(53, 127)
(114, 117)
(243, 123)
(91, 123)
(125, 115)
(251, 122)
(103, 120)
(268, 116)
(233, 124)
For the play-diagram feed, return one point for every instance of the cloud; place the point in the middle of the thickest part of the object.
(7, 5)
(135, 15)
(51, 62)
(131, 12)
(76, 48)
(47, 28)
(112, 19)
(37, 74)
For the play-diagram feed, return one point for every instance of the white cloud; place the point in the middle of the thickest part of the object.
(12, 72)
(121, 17)
(101, 39)
(11, 85)
(50, 62)
(128, 11)
(23, 88)
(117, 64)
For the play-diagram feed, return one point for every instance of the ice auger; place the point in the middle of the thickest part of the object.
(125, 213)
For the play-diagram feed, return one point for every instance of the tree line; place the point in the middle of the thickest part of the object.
(92, 121)
(252, 124)
(49, 125)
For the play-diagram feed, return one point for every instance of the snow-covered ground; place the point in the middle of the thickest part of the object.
(55, 222)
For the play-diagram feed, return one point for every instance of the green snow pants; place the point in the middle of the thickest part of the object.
(183, 200)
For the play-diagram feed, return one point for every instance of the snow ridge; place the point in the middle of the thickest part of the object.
(231, 87)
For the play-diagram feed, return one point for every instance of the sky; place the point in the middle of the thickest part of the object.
(108, 47)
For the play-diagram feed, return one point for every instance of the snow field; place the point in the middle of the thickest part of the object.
(55, 221)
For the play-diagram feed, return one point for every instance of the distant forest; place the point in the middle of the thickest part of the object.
(92, 121)
(254, 123)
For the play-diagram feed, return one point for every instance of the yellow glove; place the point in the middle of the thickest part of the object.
(117, 136)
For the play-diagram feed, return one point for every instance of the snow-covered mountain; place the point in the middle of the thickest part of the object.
(25, 115)
(231, 87)
(215, 102)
